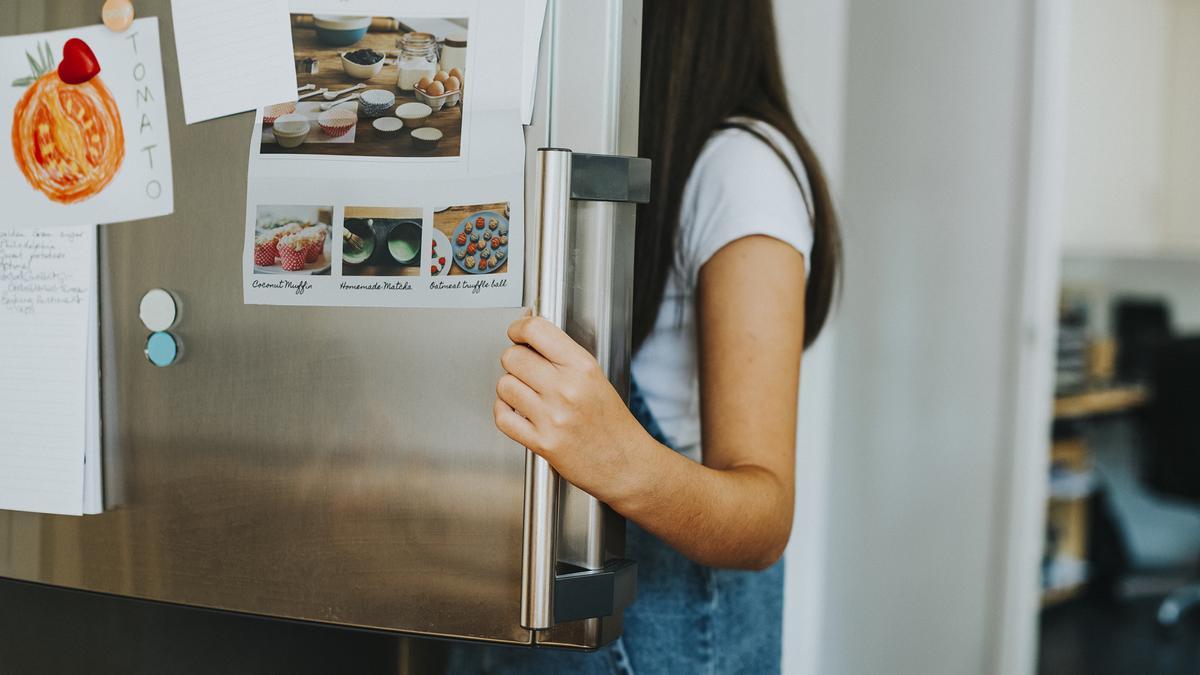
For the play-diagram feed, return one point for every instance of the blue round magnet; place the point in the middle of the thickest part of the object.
(161, 349)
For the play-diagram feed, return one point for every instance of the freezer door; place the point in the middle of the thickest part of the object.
(330, 464)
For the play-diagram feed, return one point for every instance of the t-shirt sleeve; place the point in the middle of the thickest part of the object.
(739, 187)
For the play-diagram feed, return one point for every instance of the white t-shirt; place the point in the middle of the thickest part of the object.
(738, 187)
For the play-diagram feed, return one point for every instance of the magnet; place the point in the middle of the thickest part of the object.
(158, 310)
(117, 14)
(162, 349)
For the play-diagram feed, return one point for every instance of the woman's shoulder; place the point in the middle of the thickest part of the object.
(751, 157)
(747, 180)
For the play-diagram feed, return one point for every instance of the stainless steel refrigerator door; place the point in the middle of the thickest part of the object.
(325, 464)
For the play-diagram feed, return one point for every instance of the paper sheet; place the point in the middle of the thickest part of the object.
(46, 300)
(233, 56)
(382, 220)
(535, 15)
(52, 173)
(93, 477)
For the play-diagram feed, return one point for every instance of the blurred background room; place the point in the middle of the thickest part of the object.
(1003, 460)
(1123, 526)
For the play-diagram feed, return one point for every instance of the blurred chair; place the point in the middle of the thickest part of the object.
(1171, 460)
(1140, 325)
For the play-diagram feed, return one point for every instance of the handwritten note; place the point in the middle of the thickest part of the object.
(233, 56)
(46, 299)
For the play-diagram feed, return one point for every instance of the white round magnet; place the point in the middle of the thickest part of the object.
(117, 14)
(158, 310)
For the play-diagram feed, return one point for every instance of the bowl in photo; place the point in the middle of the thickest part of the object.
(375, 102)
(291, 130)
(339, 30)
(274, 112)
(404, 242)
(388, 127)
(426, 138)
(352, 63)
(337, 121)
(413, 113)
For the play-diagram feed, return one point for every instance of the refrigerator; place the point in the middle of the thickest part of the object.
(341, 466)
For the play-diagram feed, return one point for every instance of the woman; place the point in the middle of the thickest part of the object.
(736, 262)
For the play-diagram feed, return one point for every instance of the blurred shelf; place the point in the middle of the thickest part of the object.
(1101, 401)
(1054, 596)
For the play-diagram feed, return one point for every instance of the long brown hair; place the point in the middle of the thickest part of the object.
(704, 62)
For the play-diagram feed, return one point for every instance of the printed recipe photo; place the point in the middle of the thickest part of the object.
(473, 239)
(293, 240)
(381, 242)
(372, 87)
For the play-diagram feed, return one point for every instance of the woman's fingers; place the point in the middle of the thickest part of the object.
(518, 396)
(513, 425)
(546, 339)
(529, 367)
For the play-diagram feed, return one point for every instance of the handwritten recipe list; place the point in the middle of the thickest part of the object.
(47, 306)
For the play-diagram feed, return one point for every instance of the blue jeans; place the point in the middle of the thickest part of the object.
(687, 619)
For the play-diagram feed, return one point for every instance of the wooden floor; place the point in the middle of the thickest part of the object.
(1090, 637)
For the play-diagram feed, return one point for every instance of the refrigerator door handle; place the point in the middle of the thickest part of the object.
(564, 176)
(540, 535)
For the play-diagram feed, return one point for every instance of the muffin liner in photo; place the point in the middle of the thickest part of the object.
(317, 245)
(274, 112)
(337, 122)
(292, 251)
(312, 246)
(266, 250)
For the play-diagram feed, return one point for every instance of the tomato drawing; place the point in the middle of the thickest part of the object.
(66, 133)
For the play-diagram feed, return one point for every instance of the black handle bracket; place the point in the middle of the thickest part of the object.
(588, 594)
(610, 178)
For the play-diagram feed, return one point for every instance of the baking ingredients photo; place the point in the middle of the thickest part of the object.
(373, 86)
(293, 240)
(478, 237)
(382, 241)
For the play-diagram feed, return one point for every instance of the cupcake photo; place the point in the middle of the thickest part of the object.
(292, 240)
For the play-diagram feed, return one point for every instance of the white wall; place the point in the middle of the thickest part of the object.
(1116, 140)
(1183, 147)
(813, 45)
(1133, 145)
(936, 141)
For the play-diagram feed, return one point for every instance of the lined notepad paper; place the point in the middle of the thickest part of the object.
(233, 56)
(49, 375)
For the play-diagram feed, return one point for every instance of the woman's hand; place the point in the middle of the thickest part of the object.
(735, 509)
(556, 401)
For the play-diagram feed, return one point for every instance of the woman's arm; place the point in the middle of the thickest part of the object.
(735, 510)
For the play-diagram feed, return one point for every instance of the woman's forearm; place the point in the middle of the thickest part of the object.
(735, 517)
(556, 401)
